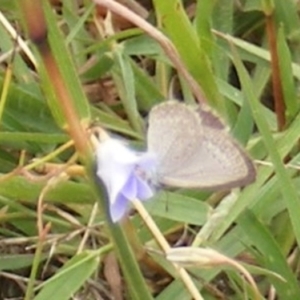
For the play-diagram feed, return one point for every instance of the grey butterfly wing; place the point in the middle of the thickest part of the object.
(194, 150)
(171, 136)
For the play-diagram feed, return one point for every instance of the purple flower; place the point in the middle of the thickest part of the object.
(125, 174)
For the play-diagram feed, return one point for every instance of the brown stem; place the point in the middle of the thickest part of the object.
(37, 29)
(164, 42)
(276, 78)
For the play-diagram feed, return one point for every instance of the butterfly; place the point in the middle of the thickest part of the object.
(194, 149)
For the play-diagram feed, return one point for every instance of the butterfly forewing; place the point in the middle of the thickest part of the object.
(194, 149)
(171, 135)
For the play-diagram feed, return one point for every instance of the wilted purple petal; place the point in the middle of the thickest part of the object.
(137, 187)
(118, 208)
(129, 190)
(125, 174)
(144, 190)
(117, 180)
(147, 161)
(111, 168)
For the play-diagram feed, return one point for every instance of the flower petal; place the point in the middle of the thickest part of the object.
(115, 164)
(129, 190)
(137, 187)
(118, 208)
(147, 161)
(144, 190)
(126, 174)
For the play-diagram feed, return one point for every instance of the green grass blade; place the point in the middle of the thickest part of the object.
(288, 190)
(70, 277)
(178, 27)
(264, 242)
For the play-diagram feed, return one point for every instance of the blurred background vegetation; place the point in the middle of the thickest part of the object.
(54, 242)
